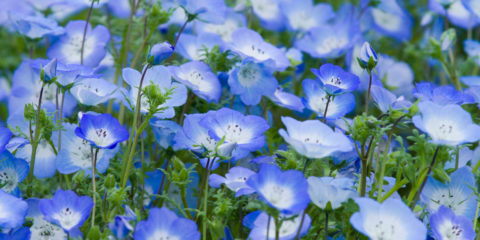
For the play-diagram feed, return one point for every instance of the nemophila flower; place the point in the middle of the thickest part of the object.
(324, 190)
(119, 8)
(286, 191)
(441, 95)
(446, 225)
(252, 80)
(101, 130)
(304, 15)
(287, 100)
(207, 10)
(66, 74)
(470, 81)
(35, 26)
(386, 101)
(456, 194)
(200, 79)
(472, 6)
(390, 19)
(26, 87)
(368, 58)
(335, 80)
(261, 226)
(390, 220)
(121, 225)
(455, 11)
(66, 209)
(45, 158)
(472, 48)
(164, 131)
(232, 22)
(162, 78)
(162, 223)
(68, 48)
(446, 124)
(269, 14)
(160, 52)
(17, 234)
(12, 172)
(194, 136)
(246, 133)
(316, 100)
(194, 47)
(235, 180)
(13, 211)
(5, 136)
(249, 43)
(75, 154)
(92, 90)
(313, 138)
(465, 155)
(42, 229)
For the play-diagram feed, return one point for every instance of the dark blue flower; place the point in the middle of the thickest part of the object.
(160, 52)
(335, 80)
(101, 130)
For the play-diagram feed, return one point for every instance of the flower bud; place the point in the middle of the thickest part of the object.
(368, 58)
(160, 52)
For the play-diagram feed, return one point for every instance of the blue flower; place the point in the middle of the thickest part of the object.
(207, 10)
(233, 21)
(41, 226)
(390, 19)
(456, 12)
(313, 138)
(472, 6)
(193, 47)
(456, 194)
(287, 100)
(235, 180)
(17, 234)
(164, 131)
(446, 124)
(335, 80)
(446, 225)
(49, 71)
(441, 95)
(193, 136)
(324, 190)
(200, 79)
(286, 191)
(101, 130)
(162, 223)
(472, 48)
(68, 48)
(249, 43)
(5, 135)
(75, 154)
(13, 211)
(35, 26)
(121, 226)
(253, 80)
(161, 77)
(92, 90)
(387, 101)
(391, 219)
(304, 15)
(45, 159)
(245, 132)
(259, 223)
(66, 209)
(269, 14)
(160, 52)
(12, 172)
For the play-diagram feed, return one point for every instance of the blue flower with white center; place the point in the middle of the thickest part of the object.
(12, 211)
(456, 12)
(390, 220)
(101, 130)
(34, 27)
(160, 52)
(246, 133)
(5, 136)
(66, 209)
(304, 15)
(441, 95)
(162, 223)
(12, 172)
(42, 229)
(193, 136)
(45, 158)
(253, 80)
(233, 21)
(75, 154)
(446, 225)
(316, 100)
(162, 78)
(285, 191)
(68, 48)
(313, 138)
(390, 19)
(164, 131)
(387, 101)
(324, 190)
(193, 47)
(335, 80)
(287, 100)
(472, 48)
(472, 6)
(91, 90)
(446, 124)
(235, 180)
(249, 43)
(456, 194)
(269, 14)
(200, 79)
(259, 223)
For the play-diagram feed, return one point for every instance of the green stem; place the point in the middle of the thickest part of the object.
(185, 203)
(326, 108)
(326, 224)
(34, 141)
(457, 158)
(140, 50)
(132, 152)
(85, 32)
(94, 185)
(416, 191)
(60, 118)
(397, 186)
(301, 224)
(367, 97)
(475, 220)
(205, 201)
(277, 228)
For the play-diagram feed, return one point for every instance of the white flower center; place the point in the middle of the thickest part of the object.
(249, 75)
(330, 44)
(68, 218)
(72, 49)
(390, 22)
(386, 228)
(162, 235)
(44, 230)
(196, 78)
(101, 137)
(279, 196)
(453, 198)
(8, 179)
(81, 154)
(302, 20)
(450, 231)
